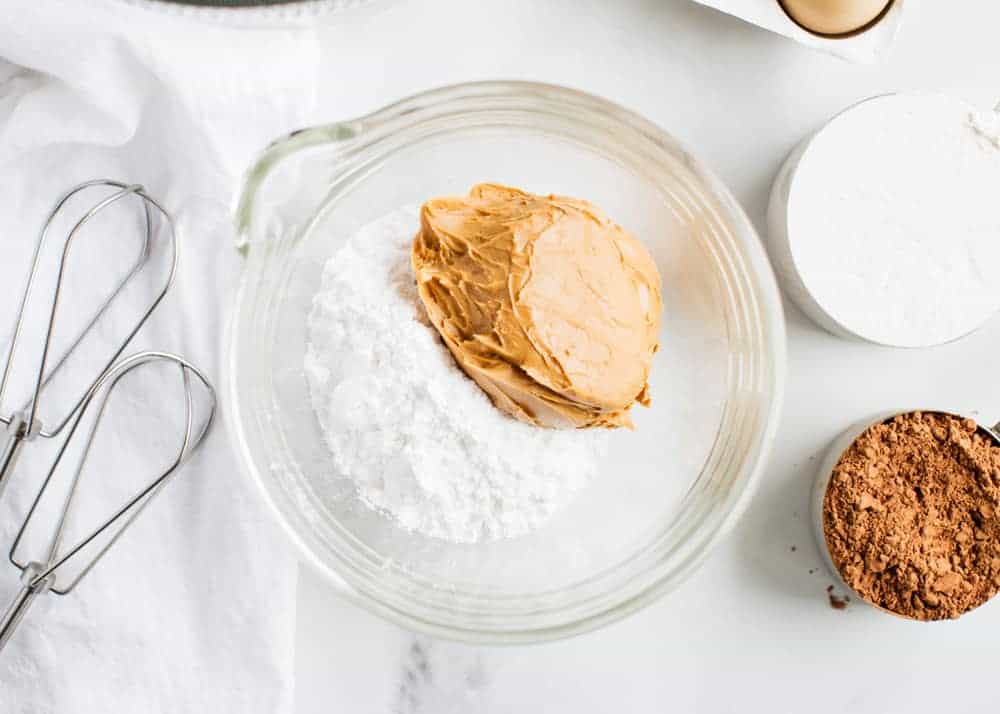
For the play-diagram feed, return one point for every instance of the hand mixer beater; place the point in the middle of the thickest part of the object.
(60, 569)
(154, 248)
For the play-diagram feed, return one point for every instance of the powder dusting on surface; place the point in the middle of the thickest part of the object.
(422, 442)
(987, 125)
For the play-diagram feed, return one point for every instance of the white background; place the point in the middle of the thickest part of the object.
(752, 631)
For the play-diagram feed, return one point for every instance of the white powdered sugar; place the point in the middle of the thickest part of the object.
(422, 442)
(894, 219)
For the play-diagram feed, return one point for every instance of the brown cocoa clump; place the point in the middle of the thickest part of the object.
(837, 602)
(912, 516)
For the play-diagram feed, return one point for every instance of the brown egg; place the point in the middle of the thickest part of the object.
(834, 17)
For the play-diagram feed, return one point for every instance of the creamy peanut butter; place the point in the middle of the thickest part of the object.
(553, 309)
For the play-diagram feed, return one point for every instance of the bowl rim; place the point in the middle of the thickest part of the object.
(656, 581)
(278, 14)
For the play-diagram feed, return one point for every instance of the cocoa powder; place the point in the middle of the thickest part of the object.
(837, 602)
(911, 516)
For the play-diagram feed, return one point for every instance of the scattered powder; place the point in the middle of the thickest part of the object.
(422, 442)
(911, 516)
(987, 125)
(894, 219)
(837, 602)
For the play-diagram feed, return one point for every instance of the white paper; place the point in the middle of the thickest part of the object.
(866, 48)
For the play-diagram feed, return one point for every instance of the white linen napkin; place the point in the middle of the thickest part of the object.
(193, 611)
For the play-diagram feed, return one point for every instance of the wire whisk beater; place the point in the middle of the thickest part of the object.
(153, 250)
(60, 567)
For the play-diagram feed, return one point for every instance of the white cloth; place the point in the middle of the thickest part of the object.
(193, 611)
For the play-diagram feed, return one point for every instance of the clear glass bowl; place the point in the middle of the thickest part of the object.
(667, 491)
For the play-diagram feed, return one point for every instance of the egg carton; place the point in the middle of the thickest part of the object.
(867, 47)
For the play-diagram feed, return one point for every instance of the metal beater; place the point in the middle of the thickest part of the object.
(48, 573)
(22, 421)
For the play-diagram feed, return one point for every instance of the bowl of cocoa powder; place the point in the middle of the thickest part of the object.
(907, 512)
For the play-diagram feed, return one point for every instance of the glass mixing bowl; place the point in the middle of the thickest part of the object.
(667, 492)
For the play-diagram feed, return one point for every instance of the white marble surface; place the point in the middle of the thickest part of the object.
(752, 631)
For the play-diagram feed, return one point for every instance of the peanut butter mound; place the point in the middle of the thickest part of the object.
(911, 516)
(553, 309)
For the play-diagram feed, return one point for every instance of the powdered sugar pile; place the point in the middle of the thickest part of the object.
(421, 440)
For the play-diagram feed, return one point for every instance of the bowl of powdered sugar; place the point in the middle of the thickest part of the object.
(394, 471)
(885, 225)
